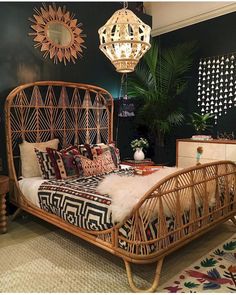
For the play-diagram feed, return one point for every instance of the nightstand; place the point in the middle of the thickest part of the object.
(4, 189)
(145, 162)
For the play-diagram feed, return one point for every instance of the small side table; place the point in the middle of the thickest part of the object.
(145, 162)
(4, 189)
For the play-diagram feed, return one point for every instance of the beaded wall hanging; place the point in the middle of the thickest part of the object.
(217, 84)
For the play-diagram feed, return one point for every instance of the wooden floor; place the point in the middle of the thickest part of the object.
(26, 227)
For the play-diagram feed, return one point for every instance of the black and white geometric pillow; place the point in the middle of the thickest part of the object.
(45, 165)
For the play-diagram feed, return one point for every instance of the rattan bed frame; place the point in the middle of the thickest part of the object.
(79, 113)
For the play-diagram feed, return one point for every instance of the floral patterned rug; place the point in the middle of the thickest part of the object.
(213, 273)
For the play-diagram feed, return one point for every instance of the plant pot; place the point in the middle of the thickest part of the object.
(139, 154)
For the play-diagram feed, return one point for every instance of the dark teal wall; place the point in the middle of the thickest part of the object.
(21, 63)
(214, 37)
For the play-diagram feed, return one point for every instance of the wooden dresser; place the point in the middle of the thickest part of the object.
(213, 150)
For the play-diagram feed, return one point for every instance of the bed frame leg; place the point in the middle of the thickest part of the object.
(233, 219)
(16, 213)
(155, 281)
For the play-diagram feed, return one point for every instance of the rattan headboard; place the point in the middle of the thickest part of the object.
(72, 112)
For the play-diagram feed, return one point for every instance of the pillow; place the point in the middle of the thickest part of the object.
(85, 150)
(29, 162)
(64, 163)
(102, 164)
(100, 148)
(115, 153)
(47, 170)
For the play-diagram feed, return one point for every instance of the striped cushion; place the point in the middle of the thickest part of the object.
(45, 165)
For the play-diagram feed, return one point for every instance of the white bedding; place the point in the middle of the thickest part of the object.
(29, 187)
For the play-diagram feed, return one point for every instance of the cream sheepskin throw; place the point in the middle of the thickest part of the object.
(126, 191)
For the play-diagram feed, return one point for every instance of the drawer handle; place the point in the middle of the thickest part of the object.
(199, 154)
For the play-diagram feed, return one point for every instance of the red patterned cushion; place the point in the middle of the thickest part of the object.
(103, 163)
(100, 148)
(64, 163)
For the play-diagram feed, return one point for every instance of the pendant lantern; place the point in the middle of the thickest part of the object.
(124, 39)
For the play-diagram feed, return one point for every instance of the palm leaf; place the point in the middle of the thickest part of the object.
(160, 78)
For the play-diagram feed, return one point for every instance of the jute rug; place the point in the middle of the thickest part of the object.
(215, 272)
(59, 262)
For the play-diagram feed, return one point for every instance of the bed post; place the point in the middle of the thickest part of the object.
(155, 280)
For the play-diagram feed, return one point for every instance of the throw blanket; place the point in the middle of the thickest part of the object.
(77, 201)
(126, 191)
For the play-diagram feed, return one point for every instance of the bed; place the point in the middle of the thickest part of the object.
(80, 113)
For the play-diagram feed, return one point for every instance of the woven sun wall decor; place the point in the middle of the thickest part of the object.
(57, 33)
(217, 84)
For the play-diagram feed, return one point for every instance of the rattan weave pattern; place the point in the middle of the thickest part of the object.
(73, 113)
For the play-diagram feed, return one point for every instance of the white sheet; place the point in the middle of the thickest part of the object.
(29, 187)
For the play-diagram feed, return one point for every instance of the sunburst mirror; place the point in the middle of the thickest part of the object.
(57, 33)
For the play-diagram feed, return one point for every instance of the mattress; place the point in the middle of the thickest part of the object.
(29, 187)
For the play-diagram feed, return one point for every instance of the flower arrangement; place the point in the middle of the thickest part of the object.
(139, 143)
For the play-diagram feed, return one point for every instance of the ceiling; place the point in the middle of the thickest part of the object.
(170, 16)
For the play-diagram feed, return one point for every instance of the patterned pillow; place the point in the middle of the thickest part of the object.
(45, 165)
(100, 148)
(115, 153)
(64, 163)
(103, 163)
(85, 150)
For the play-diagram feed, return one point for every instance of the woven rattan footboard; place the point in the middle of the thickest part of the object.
(196, 198)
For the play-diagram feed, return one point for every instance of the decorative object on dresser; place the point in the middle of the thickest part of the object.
(200, 122)
(216, 84)
(57, 33)
(124, 39)
(199, 154)
(4, 189)
(213, 150)
(147, 234)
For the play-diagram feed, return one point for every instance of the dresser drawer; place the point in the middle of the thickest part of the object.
(185, 162)
(210, 150)
(230, 153)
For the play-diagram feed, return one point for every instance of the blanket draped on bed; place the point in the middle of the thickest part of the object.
(78, 202)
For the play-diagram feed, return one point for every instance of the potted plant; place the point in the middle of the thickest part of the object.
(138, 145)
(159, 80)
(200, 122)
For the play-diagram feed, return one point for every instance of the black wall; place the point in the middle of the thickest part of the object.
(214, 37)
(21, 63)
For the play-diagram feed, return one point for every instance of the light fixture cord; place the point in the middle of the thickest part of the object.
(125, 4)
(122, 94)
